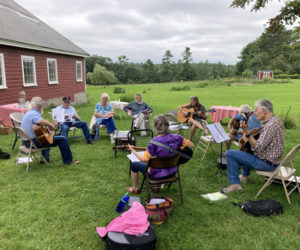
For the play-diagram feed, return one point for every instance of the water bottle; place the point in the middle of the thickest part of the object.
(122, 203)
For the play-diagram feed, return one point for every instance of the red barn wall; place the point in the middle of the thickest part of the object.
(66, 70)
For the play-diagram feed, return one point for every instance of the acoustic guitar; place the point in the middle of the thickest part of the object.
(190, 112)
(43, 134)
(244, 143)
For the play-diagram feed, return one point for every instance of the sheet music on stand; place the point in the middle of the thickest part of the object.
(218, 132)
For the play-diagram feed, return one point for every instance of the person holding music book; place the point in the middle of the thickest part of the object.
(104, 114)
(235, 131)
(71, 119)
(199, 113)
(267, 149)
(34, 117)
(161, 126)
(140, 112)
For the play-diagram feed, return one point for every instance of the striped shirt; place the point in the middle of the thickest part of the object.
(269, 145)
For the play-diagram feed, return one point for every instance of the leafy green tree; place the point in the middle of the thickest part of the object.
(150, 72)
(121, 69)
(167, 67)
(247, 73)
(270, 51)
(187, 71)
(91, 61)
(287, 15)
(101, 76)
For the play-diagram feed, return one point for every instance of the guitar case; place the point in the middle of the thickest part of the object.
(146, 241)
(116, 241)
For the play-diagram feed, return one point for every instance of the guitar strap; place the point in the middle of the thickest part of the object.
(170, 149)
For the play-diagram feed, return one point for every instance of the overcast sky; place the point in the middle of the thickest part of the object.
(145, 29)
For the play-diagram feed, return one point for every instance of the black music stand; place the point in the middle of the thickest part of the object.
(220, 136)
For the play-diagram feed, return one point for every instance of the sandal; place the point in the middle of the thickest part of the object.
(134, 191)
(231, 188)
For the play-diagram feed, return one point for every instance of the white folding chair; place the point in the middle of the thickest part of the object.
(16, 119)
(205, 142)
(287, 175)
(31, 151)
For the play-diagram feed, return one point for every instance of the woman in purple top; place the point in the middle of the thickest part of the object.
(161, 126)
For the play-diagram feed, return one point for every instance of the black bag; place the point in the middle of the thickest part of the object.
(262, 207)
(4, 155)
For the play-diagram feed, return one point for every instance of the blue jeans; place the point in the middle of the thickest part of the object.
(248, 161)
(138, 166)
(110, 123)
(85, 129)
(59, 141)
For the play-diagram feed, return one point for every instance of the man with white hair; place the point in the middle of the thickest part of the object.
(235, 131)
(139, 111)
(34, 116)
(267, 149)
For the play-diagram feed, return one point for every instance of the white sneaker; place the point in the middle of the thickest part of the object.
(112, 140)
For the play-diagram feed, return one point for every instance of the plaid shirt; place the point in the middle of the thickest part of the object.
(269, 145)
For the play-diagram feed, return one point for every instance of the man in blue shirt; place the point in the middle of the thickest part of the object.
(235, 132)
(33, 116)
(72, 120)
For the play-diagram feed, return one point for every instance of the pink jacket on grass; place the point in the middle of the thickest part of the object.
(133, 222)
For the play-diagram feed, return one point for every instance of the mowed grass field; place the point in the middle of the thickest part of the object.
(59, 207)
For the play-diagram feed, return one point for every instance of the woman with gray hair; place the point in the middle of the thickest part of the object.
(104, 114)
(235, 132)
(176, 141)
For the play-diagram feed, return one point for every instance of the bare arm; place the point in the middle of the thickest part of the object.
(181, 107)
(190, 144)
(140, 157)
(44, 122)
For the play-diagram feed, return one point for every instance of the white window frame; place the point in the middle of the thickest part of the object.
(3, 86)
(34, 73)
(52, 82)
(81, 79)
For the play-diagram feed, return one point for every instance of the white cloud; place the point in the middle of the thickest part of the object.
(143, 29)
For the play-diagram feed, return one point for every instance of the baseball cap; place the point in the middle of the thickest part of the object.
(66, 99)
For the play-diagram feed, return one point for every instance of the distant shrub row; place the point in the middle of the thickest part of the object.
(119, 90)
(183, 88)
(287, 76)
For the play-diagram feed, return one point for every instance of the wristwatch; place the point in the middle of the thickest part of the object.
(248, 135)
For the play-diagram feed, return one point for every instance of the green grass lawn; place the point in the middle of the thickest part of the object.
(59, 207)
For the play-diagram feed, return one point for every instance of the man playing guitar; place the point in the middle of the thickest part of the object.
(196, 120)
(33, 117)
(267, 149)
(235, 131)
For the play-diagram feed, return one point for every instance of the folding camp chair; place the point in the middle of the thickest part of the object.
(162, 163)
(205, 142)
(98, 128)
(287, 175)
(16, 119)
(31, 151)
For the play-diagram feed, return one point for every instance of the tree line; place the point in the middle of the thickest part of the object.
(102, 70)
(278, 51)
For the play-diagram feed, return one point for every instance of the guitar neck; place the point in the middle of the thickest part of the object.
(126, 147)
